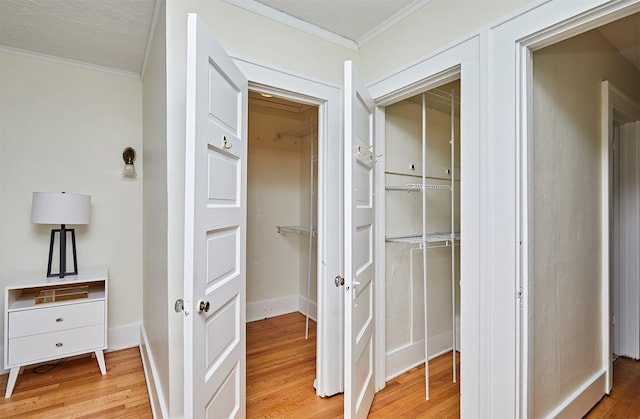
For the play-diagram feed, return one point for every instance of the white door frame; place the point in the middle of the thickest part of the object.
(458, 61)
(619, 109)
(509, 99)
(329, 340)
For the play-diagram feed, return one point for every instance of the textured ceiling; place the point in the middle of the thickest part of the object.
(109, 33)
(115, 33)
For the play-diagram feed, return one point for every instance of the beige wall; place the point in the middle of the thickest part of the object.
(438, 24)
(277, 194)
(403, 215)
(566, 211)
(63, 128)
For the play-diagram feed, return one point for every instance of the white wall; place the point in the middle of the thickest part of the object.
(161, 324)
(566, 211)
(63, 128)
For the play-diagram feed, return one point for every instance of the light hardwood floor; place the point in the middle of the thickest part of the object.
(280, 372)
(76, 389)
(281, 369)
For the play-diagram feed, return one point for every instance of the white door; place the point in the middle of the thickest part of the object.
(359, 163)
(215, 230)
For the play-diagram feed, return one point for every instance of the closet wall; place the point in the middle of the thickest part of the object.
(405, 328)
(278, 194)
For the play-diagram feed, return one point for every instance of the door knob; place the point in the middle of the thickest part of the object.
(203, 306)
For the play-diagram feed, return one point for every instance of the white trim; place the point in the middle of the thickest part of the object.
(460, 61)
(265, 309)
(380, 340)
(581, 400)
(251, 66)
(524, 288)
(509, 83)
(152, 32)
(616, 108)
(313, 308)
(329, 357)
(69, 62)
(401, 360)
(159, 404)
(406, 11)
(285, 19)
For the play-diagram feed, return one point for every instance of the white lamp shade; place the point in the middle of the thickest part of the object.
(60, 208)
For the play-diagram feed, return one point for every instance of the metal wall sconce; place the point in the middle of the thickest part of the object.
(129, 156)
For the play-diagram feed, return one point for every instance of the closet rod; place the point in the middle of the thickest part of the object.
(295, 132)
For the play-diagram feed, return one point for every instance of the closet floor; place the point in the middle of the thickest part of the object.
(281, 369)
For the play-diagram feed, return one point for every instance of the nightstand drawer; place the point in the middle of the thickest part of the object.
(56, 318)
(54, 345)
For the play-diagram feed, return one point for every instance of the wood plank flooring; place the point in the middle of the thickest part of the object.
(281, 369)
(76, 389)
(280, 373)
(624, 400)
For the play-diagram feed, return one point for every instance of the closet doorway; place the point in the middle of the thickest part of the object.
(422, 230)
(583, 216)
(282, 211)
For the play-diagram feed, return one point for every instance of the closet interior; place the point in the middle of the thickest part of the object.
(422, 229)
(281, 207)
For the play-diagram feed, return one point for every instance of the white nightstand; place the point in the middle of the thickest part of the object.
(70, 320)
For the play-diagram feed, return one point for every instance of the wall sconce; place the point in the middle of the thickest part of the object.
(129, 156)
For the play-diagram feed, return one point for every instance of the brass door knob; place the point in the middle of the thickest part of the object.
(203, 306)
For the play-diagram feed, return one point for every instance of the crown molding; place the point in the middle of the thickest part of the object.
(285, 19)
(66, 61)
(392, 21)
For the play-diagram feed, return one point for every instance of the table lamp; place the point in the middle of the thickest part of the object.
(61, 208)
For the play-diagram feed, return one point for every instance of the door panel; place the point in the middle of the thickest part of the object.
(215, 230)
(359, 218)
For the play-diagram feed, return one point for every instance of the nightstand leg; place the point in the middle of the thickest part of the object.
(13, 376)
(100, 358)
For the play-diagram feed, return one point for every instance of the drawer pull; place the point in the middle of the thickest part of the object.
(59, 345)
(59, 319)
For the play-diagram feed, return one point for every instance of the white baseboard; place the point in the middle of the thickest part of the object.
(583, 399)
(403, 359)
(313, 308)
(260, 310)
(156, 397)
